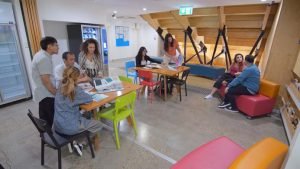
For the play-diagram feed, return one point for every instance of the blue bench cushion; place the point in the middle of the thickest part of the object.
(206, 70)
(157, 58)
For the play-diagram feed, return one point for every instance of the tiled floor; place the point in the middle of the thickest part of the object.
(166, 131)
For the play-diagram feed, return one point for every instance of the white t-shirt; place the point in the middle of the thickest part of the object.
(41, 65)
(58, 72)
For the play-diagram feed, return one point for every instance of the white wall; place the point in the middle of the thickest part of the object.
(149, 38)
(59, 31)
(140, 33)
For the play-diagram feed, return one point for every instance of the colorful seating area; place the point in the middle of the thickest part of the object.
(223, 153)
(260, 104)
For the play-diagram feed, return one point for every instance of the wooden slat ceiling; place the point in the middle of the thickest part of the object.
(244, 23)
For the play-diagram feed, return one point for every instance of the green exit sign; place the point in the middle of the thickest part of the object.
(185, 11)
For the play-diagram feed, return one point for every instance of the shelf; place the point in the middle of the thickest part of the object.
(287, 124)
(7, 53)
(9, 64)
(4, 43)
(10, 75)
(293, 92)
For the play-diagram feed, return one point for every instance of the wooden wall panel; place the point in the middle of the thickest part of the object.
(169, 23)
(32, 24)
(161, 15)
(205, 11)
(245, 9)
(205, 22)
(257, 17)
(243, 33)
(244, 24)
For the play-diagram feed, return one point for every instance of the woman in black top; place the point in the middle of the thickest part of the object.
(141, 58)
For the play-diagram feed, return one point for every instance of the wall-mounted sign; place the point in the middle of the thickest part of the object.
(185, 10)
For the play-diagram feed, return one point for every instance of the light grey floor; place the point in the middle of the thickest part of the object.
(166, 132)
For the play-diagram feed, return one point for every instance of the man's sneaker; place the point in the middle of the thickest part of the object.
(231, 109)
(208, 97)
(77, 149)
(223, 105)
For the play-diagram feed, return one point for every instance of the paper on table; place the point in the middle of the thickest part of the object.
(86, 86)
(98, 97)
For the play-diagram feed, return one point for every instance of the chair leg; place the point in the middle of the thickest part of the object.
(185, 89)
(59, 158)
(151, 96)
(116, 134)
(42, 152)
(90, 145)
(179, 92)
(133, 123)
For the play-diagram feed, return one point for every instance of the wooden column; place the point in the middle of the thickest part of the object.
(281, 52)
(32, 24)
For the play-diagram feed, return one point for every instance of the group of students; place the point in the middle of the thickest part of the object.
(57, 92)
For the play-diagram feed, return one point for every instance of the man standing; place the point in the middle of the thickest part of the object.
(42, 74)
(247, 83)
(69, 60)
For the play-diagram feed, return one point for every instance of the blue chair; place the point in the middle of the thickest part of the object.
(132, 73)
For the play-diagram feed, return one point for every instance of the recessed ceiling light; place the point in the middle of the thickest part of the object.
(263, 0)
(115, 11)
(144, 9)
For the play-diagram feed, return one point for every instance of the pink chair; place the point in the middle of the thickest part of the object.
(216, 154)
(223, 153)
(146, 79)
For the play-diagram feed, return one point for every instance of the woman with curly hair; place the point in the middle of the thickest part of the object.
(90, 59)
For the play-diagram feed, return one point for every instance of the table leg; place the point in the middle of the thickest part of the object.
(165, 87)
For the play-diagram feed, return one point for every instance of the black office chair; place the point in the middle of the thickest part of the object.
(54, 139)
(179, 82)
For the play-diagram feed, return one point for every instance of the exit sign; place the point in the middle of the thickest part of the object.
(185, 11)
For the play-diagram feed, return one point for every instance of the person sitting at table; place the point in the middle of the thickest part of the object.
(68, 119)
(142, 58)
(69, 60)
(235, 69)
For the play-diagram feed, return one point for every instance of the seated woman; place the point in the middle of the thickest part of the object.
(142, 58)
(235, 69)
(67, 118)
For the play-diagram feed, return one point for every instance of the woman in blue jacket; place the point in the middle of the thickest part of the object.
(67, 118)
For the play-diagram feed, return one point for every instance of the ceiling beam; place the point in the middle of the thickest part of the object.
(262, 43)
(153, 23)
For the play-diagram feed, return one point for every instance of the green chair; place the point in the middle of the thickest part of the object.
(125, 79)
(124, 107)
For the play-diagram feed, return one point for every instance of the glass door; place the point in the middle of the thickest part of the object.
(13, 78)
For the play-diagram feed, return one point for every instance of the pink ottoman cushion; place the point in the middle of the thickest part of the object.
(255, 105)
(217, 154)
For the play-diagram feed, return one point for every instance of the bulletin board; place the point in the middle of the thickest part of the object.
(122, 36)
